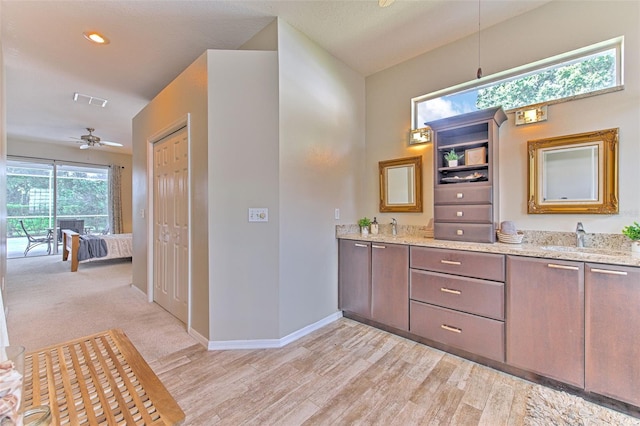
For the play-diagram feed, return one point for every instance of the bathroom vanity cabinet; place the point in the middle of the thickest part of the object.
(545, 311)
(374, 281)
(612, 337)
(457, 298)
(466, 194)
(520, 309)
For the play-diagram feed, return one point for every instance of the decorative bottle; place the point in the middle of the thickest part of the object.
(374, 227)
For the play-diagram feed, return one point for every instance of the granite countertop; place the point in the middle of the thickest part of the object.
(549, 251)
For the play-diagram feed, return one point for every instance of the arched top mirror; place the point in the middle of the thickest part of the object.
(574, 174)
(401, 185)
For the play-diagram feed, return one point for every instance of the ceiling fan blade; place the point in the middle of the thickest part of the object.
(110, 143)
(85, 146)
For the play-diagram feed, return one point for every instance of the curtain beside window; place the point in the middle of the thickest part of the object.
(115, 200)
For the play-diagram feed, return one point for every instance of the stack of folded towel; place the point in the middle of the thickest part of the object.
(509, 234)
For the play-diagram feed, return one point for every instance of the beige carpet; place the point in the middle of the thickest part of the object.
(48, 304)
(547, 406)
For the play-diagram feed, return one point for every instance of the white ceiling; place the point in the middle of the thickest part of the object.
(152, 41)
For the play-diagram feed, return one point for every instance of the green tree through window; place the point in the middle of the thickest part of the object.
(586, 71)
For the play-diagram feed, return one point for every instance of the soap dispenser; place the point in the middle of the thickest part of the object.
(374, 227)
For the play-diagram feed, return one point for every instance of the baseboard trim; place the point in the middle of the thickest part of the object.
(199, 337)
(273, 343)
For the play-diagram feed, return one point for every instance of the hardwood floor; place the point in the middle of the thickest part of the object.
(345, 373)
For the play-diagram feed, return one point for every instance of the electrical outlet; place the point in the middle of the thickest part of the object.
(259, 214)
(336, 214)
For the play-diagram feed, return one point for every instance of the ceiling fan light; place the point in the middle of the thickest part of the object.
(96, 37)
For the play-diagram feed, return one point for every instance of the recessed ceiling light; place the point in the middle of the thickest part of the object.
(95, 37)
(385, 3)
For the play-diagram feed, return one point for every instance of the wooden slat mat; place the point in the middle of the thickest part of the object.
(98, 380)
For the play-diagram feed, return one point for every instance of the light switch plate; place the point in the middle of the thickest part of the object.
(259, 214)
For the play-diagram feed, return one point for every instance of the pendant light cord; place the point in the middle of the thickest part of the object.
(479, 72)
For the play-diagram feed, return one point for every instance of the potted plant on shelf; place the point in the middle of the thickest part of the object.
(452, 158)
(364, 225)
(633, 232)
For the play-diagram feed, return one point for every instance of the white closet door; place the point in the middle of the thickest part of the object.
(171, 224)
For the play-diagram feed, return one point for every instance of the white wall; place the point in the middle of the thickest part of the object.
(321, 169)
(552, 29)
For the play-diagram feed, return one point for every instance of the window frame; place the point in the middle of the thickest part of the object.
(616, 43)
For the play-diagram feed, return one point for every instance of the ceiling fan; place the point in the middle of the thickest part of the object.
(92, 140)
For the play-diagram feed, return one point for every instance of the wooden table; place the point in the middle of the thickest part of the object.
(98, 380)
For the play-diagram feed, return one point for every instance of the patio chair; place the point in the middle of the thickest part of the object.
(36, 241)
(75, 225)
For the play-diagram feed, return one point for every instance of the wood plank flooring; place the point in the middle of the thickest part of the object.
(345, 373)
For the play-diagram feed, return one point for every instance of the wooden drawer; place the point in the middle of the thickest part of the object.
(472, 232)
(480, 213)
(478, 335)
(486, 266)
(467, 194)
(471, 295)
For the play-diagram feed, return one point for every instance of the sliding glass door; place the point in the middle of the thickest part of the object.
(40, 193)
(82, 193)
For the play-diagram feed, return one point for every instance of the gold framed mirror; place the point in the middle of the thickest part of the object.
(574, 173)
(401, 185)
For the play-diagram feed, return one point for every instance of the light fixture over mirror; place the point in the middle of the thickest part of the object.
(529, 115)
(422, 135)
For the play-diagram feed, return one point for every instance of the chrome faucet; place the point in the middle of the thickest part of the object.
(394, 227)
(580, 233)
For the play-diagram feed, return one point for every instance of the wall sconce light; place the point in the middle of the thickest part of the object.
(422, 135)
(531, 115)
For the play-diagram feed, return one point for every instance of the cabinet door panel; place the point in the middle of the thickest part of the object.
(390, 284)
(354, 277)
(545, 317)
(612, 340)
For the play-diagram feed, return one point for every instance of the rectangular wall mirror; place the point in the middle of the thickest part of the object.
(401, 185)
(574, 173)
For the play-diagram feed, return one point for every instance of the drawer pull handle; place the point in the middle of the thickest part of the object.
(452, 329)
(450, 262)
(607, 271)
(459, 195)
(571, 268)
(448, 290)
(459, 232)
(377, 246)
(361, 245)
(459, 214)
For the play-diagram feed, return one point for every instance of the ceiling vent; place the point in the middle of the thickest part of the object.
(89, 100)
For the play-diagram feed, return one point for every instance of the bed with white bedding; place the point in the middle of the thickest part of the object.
(94, 248)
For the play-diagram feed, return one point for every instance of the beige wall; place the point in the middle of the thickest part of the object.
(321, 167)
(4, 337)
(552, 29)
(282, 130)
(186, 95)
(243, 173)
